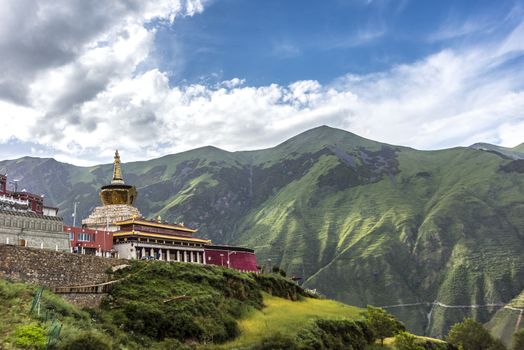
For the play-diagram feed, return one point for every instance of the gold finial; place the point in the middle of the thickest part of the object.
(117, 171)
(159, 219)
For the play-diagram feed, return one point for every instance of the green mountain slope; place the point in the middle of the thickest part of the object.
(361, 221)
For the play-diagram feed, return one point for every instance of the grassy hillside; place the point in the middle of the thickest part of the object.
(22, 329)
(283, 316)
(362, 222)
(170, 306)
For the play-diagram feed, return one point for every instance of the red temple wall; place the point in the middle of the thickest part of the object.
(238, 260)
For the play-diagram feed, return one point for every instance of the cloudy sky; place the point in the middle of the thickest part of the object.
(80, 78)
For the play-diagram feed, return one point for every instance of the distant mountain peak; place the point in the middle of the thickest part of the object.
(510, 153)
(322, 136)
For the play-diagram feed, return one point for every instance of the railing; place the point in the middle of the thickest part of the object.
(85, 289)
(11, 200)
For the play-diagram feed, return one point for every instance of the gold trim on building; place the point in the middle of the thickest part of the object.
(154, 224)
(139, 233)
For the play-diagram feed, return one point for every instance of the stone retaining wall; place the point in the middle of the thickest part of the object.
(53, 269)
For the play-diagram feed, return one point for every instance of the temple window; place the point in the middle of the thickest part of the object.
(84, 237)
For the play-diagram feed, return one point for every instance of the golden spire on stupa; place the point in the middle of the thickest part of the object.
(118, 192)
(117, 171)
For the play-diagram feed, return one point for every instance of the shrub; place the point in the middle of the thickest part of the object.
(277, 341)
(86, 341)
(335, 334)
(278, 286)
(30, 336)
(406, 341)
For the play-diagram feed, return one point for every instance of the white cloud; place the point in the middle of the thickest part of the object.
(91, 99)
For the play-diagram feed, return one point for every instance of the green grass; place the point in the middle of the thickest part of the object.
(287, 317)
(15, 312)
(14, 308)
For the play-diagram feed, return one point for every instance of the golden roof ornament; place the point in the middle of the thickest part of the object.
(117, 171)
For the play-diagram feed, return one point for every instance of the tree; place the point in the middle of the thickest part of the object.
(406, 341)
(382, 323)
(518, 340)
(471, 335)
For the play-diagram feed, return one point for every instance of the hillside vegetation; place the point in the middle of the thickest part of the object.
(361, 221)
(157, 305)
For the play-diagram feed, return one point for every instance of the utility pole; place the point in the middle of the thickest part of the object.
(74, 214)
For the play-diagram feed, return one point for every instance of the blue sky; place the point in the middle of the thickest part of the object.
(275, 41)
(157, 77)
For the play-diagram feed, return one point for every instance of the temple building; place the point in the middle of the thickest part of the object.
(117, 202)
(26, 221)
(143, 239)
(134, 237)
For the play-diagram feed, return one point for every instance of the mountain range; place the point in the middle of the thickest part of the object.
(434, 236)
